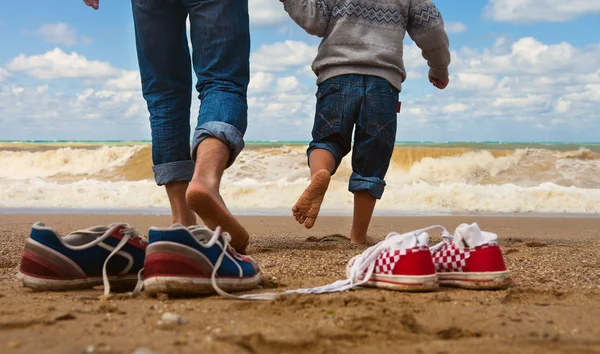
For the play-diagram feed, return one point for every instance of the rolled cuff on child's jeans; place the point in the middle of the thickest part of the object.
(170, 172)
(373, 185)
(225, 132)
(333, 150)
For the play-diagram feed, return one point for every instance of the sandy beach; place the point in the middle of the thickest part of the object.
(552, 307)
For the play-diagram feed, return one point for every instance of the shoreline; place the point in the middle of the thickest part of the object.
(280, 213)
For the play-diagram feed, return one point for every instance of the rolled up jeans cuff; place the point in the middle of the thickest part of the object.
(225, 132)
(373, 185)
(170, 172)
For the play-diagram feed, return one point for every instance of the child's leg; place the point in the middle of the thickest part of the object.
(374, 139)
(322, 164)
(364, 204)
(332, 136)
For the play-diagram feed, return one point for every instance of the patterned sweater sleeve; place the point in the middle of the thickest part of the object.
(312, 15)
(426, 28)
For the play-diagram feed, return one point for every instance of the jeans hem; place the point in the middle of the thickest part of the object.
(170, 172)
(225, 132)
(374, 185)
(324, 146)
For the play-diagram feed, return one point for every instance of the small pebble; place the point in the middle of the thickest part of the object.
(144, 351)
(14, 344)
(170, 320)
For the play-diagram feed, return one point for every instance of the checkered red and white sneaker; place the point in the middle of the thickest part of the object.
(400, 262)
(470, 259)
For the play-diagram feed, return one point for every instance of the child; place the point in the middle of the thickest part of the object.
(360, 73)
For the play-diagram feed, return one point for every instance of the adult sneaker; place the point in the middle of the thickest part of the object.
(470, 259)
(400, 262)
(82, 259)
(196, 260)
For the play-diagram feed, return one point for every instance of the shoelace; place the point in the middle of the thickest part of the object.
(446, 240)
(365, 262)
(213, 240)
(129, 233)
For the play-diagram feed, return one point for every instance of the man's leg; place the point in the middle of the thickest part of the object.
(164, 62)
(221, 40)
(374, 139)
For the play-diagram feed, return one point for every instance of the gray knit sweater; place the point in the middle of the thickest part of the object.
(365, 36)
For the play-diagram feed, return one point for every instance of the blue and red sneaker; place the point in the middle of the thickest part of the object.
(82, 259)
(196, 260)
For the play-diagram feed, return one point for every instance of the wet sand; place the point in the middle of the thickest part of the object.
(552, 307)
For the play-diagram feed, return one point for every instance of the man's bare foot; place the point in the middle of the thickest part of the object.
(308, 206)
(210, 208)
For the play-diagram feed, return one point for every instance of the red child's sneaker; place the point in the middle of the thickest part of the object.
(470, 259)
(400, 262)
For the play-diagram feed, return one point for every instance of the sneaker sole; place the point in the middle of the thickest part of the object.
(45, 284)
(409, 283)
(198, 286)
(476, 280)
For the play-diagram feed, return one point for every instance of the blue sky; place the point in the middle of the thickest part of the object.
(523, 70)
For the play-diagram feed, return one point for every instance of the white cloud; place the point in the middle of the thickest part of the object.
(525, 82)
(539, 10)
(61, 33)
(127, 80)
(260, 81)
(56, 64)
(455, 27)
(475, 81)
(513, 90)
(3, 74)
(282, 56)
(266, 13)
(42, 89)
(455, 108)
(287, 84)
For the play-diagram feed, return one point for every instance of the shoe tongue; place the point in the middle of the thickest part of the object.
(85, 236)
(471, 236)
(407, 241)
(202, 233)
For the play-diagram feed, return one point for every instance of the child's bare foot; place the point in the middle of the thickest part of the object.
(308, 206)
(210, 207)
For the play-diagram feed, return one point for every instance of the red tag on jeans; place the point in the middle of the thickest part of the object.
(398, 107)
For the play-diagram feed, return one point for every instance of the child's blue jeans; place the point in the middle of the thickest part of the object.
(367, 105)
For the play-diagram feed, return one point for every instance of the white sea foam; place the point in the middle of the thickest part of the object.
(527, 180)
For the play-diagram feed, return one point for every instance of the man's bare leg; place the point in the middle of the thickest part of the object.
(181, 213)
(306, 210)
(364, 204)
(203, 195)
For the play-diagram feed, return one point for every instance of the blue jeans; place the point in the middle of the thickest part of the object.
(367, 105)
(220, 37)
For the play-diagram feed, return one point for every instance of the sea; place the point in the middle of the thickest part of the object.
(424, 178)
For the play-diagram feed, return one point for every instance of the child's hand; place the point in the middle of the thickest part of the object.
(439, 83)
(93, 3)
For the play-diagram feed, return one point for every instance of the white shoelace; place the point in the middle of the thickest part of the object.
(363, 263)
(446, 239)
(129, 233)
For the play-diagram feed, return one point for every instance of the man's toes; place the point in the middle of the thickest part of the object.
(309, 223)
(295, 209)
(302, 219)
